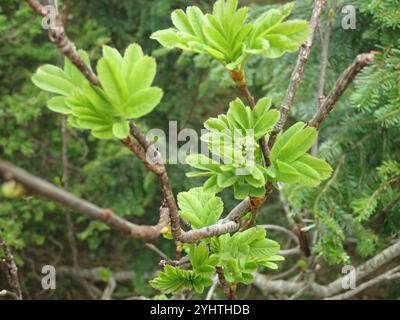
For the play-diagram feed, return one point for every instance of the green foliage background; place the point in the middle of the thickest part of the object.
(360, 139)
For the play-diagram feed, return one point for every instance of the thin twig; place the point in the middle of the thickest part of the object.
(325, 36)
(222, 281)
(11, 271)
(386, 209)
(298, 71)
(211, 291)
(361, 61)
(65, 181)
(5, 293)
(156, 250)
(331, 180)
(240, 80)
(109, 290)
(290, 233)
(383, 277)
(323, 291)
(59, 37)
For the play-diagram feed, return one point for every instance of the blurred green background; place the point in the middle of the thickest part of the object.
(363, 131)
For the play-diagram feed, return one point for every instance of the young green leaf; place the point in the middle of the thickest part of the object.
(199, 207)
(121, 129)
(174, 279)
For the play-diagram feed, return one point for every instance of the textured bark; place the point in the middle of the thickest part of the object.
(59, 37)
(41, 187)
(11, 271)
(298, 71)
(341, 85)
(333, 288)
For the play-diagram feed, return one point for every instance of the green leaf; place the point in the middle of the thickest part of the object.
(181, 22)
(168, 38)
(133, 54)
(286, 173)
(199, 207)
(196, 174)
(296, 31)
(240, 254)
(266, 123)
(324, 169)
(200, 161)
(103, 132)
(200, 260)
(173, 280)
(237, 113)
(142, 74)
(261, 108)
(308, 176)
(76, 76)
(211, 185)
(53, 79)
(298, 144)
(57, 104)
(121, 129)
(269, 19)
(142, 102)
(215, 124)
(241, 190)
(196, 18)
(282, 139)
(225, 180)
(271, 37)
(110, 76)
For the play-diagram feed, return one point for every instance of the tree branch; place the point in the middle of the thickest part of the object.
(59, 37)
(341, 85)
(325, 36)
(383, 277)
(323, 291)
(95, 274)
(109, 290)
(11, 273)
(298, 71)
(239, 78)
(6, 293)
(43, 188)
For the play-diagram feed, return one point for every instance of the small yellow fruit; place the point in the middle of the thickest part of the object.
(13, 190)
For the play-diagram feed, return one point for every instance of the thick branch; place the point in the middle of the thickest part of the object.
(193, 236)
(43, 188)
(383, 277)
(237, 212)
(298, 70)
(341, 85)
(151, 158)
(323, 291)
